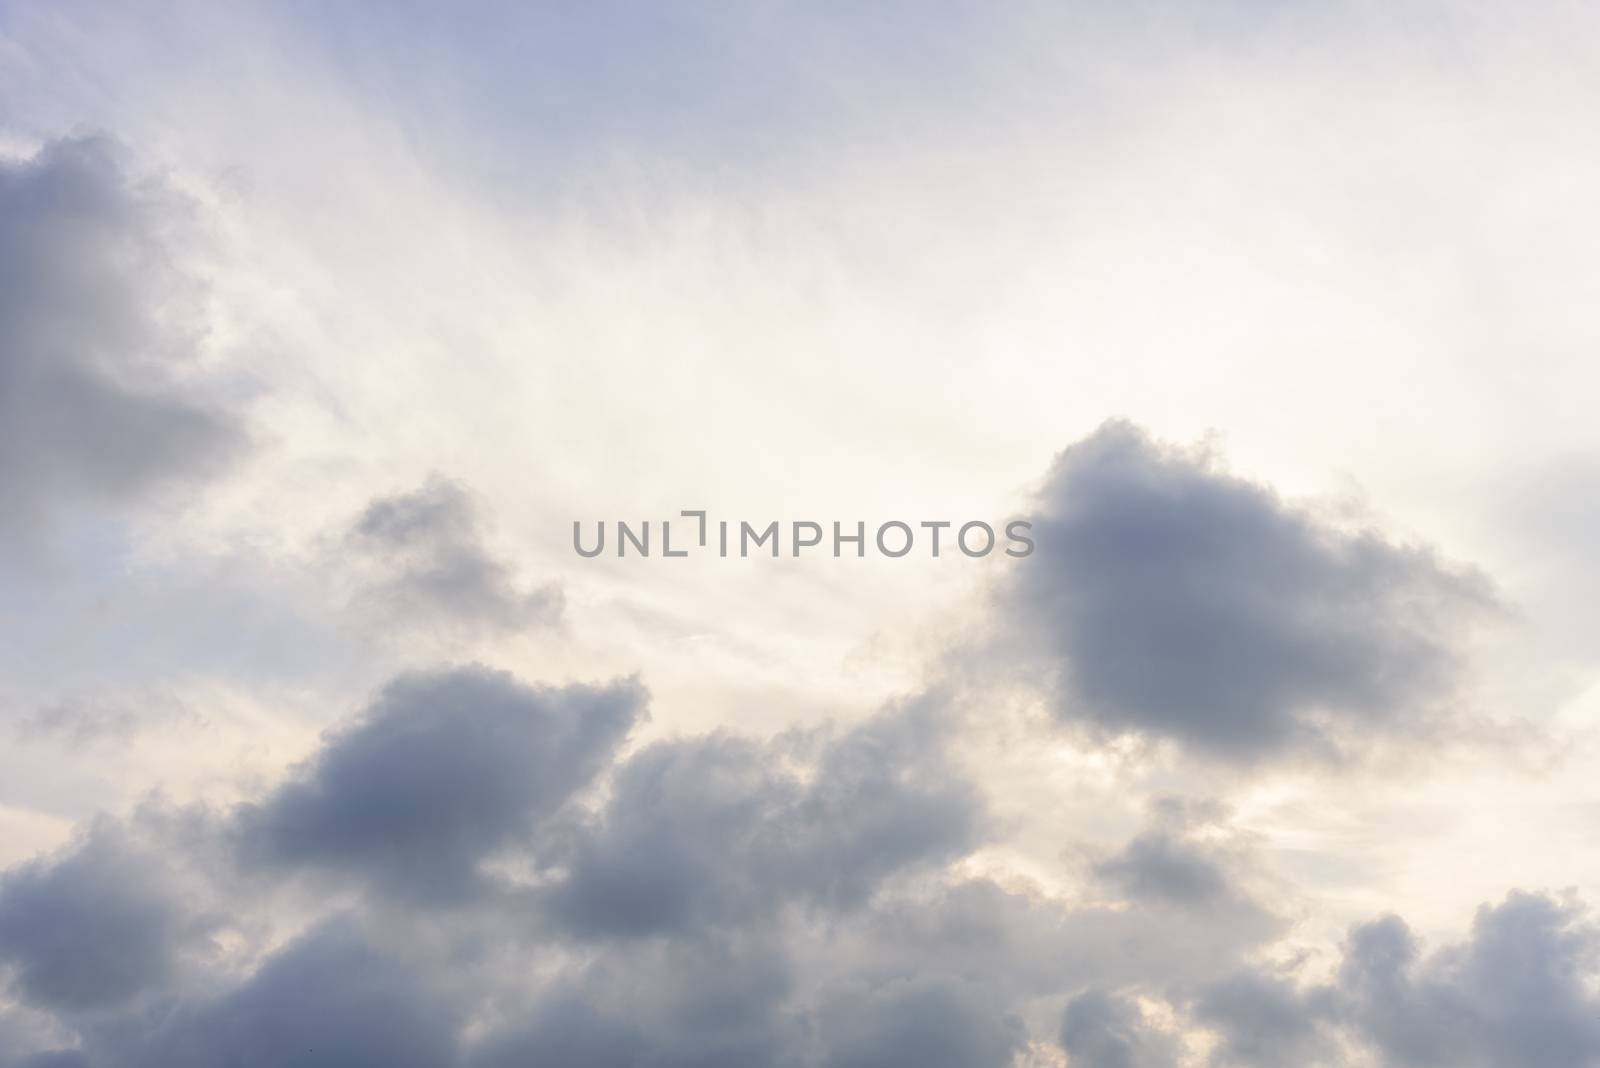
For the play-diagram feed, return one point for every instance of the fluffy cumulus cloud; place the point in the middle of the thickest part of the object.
(427, 564)
(1520, 991)
(329, 998)
(442, 771)
(1172, 600)
(718, 829)
(96, 927)
(99, 331)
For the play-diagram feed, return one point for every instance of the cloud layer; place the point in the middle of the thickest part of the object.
(719, 900)
(478, 871)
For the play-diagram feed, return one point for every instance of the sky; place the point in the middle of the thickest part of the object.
(322, 325)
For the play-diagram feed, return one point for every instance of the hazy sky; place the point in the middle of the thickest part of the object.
(320, 325)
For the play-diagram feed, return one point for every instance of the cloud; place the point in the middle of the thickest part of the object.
(711, 1001)
(907, 1023)
(328, 1000)
(440, 772)
(56, 1058)
(1158, 866)
(1172, 600)
(1262, 1020)
(803, 902)
(1102, 1030)
(699, 901)
(431, 566)
(1520, 991)
(99, 926)
(708, 830)
(87, 718)
(97, 323)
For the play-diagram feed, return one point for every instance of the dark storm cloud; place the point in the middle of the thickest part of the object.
(1172, 600)
(707, 830)
(1102, 1030)
(433, 567)
(440, 772)
(96, 323)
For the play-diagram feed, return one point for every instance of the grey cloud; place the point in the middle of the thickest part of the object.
(920, 975)
(1162, 867)
(1263, 1020)
(740, 1001)
(95, 329)
(570, 1029)
(56, 1058)
(329, 999)
(1188, 863)
(720, 828)
(432, 566)
(918, 1022)
(441, 771)
(1520, 991)
(890, 956)
(88, 718)
(1100, 1029)
(702, 1002)
(1027, 948)
(1172, 600)
(98, 926)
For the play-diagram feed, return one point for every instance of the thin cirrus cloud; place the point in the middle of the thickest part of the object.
(429, 565)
